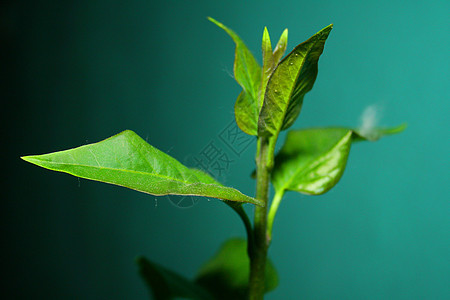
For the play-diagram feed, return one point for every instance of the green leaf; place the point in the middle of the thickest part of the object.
(280, 48)
(247, 73)
(164, 284)
(226, 275)
(246, 113)
(312, 161)
(268, 66)
(292, 79)
(270, 61)
(127, 160)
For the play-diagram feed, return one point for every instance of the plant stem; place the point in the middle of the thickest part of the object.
(272, 212)
(264, 158)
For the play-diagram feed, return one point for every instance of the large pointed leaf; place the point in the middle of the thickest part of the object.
(312, 161)
(164, 284)
(226, 275)
(247, 73)
(127, 160)
(292, 79)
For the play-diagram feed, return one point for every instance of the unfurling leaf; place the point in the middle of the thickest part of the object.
(268, 66)
(164, 284)
(280, 48)
(270, 60)
(247, 73)
(290, 81)
(247, 113)
(127, 160)
(312, 161)
(226, 275)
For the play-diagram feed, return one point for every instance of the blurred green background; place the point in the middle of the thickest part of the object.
(77, 72)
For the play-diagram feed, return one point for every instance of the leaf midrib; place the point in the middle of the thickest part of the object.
(129, 171)
(146, 158)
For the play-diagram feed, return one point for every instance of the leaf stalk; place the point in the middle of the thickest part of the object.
(272, 212)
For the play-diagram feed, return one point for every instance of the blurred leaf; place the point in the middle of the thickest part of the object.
(247, 73)
(164, 284)
(226, 275)
(374, 134)
(127, 160)
(312, 161)
(292, 79)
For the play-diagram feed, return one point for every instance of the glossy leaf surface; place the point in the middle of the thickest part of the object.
(291, 80)
(247, 73)
(164, 284)
(127, 160)
(312, 161)
(226, 275)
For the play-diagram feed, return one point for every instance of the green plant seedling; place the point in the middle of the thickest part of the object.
(311, 161)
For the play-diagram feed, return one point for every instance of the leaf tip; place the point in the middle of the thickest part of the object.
(266, 41)
(230, 32)
(30, 158)
(327, 29)
(211, 19)
(38, 160)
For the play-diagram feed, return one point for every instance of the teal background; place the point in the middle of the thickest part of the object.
(81, 71)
